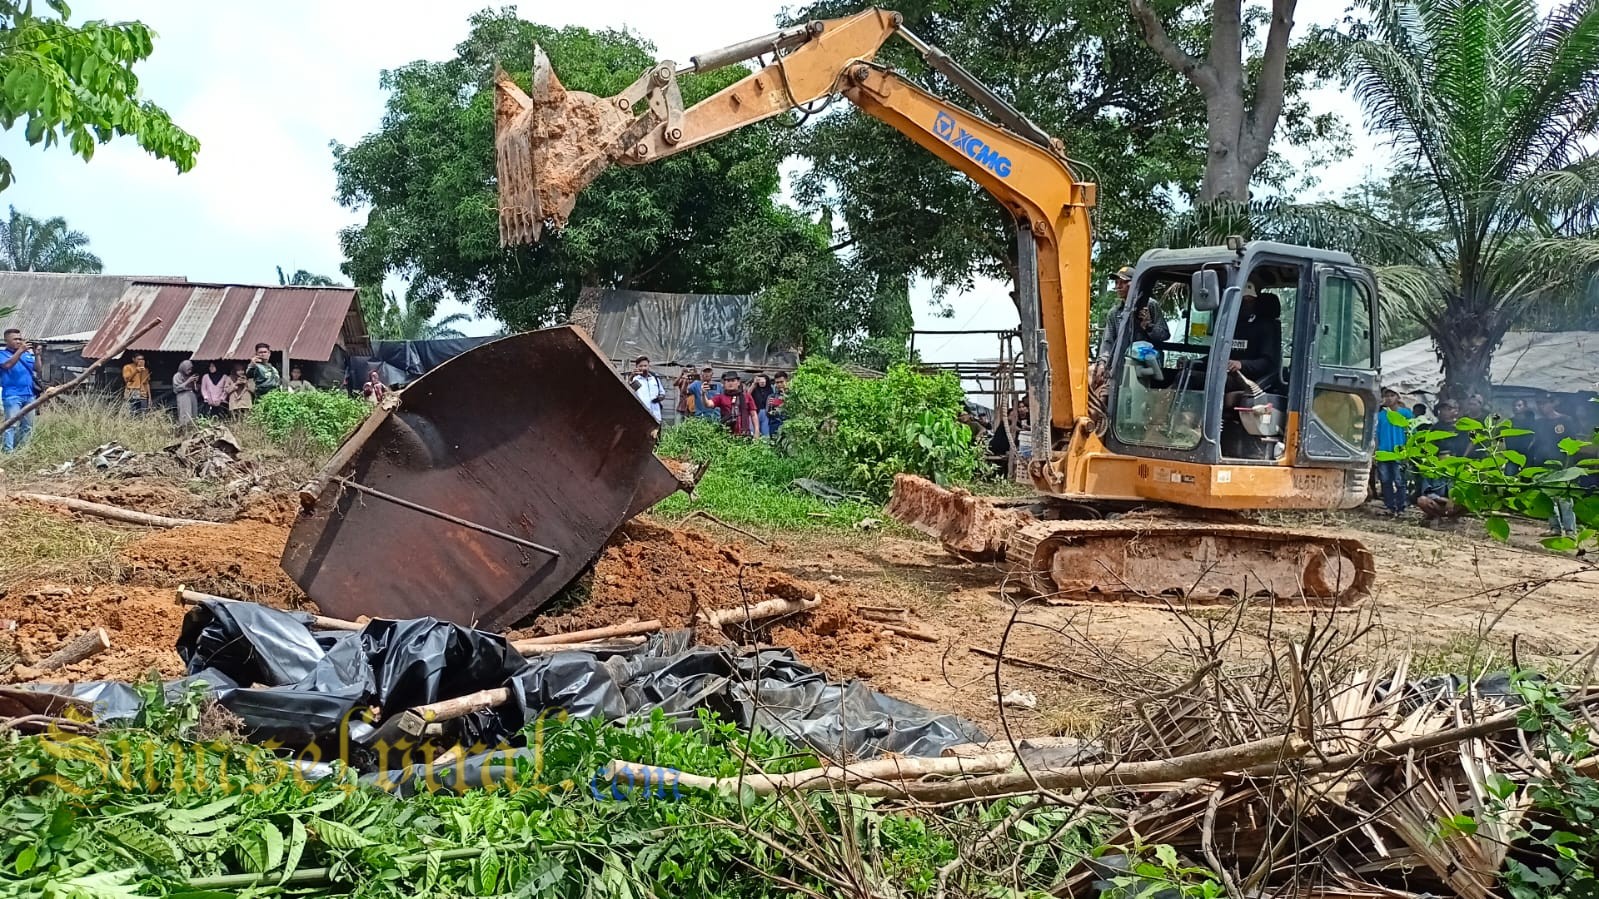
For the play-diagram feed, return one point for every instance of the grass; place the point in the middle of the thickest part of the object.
(38, 545)
(749, 483)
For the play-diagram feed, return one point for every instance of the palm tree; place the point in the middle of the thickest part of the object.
(303, 278)
(28, 244)
(390, 318)
(1491, 106)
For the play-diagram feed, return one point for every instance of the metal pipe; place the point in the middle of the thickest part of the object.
(755, 46)
(1008, 115)
(445, 516)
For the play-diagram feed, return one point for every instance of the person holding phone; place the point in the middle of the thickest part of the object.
(20, 375)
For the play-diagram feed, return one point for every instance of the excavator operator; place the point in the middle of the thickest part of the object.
(1257, 351)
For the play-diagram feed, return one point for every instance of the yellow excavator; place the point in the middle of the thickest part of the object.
(1259, 393)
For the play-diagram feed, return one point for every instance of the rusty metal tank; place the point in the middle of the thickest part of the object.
(480, 490)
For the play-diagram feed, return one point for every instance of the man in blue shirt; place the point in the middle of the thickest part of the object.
(19, 366)
(1391, 437)
(704, 391)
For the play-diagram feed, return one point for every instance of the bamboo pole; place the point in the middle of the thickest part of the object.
(111, 512)
(897, 769)
(625, 629)
(94, 366)
(415, 721)
(590, 646)
(1211, 763)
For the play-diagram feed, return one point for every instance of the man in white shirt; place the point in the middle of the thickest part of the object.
(646, 386)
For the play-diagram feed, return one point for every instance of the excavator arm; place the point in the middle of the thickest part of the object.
(551, 143)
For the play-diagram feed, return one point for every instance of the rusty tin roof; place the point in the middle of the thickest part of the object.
(226, 321)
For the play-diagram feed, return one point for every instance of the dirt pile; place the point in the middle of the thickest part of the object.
(238, 560)
(142, 623)
(650, 571)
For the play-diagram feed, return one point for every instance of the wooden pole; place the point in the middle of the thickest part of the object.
(94, 366)
(313, 489)
(112, 512)
(545, 649)
(415, 721)
(625, 629)
(91, 642)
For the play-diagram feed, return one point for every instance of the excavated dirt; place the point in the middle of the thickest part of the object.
(651, 571)
(238, 560)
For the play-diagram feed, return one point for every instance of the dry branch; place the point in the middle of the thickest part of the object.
(111, 512)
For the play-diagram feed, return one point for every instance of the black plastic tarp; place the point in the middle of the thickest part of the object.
(416, 358)
(296, 687)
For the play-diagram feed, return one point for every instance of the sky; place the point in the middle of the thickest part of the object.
(267, 87)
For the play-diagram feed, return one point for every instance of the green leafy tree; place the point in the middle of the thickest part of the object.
(390, 318)
(303, 278)
(75, 83)
(426, 179)
(28, 244)
(1077, 69)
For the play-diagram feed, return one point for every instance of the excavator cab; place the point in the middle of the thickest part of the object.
(1268, 359)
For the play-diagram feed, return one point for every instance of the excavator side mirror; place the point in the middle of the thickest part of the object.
(1205, 288)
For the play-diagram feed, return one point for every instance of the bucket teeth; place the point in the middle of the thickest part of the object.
(549, 145)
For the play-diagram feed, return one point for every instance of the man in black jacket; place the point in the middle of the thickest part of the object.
(1257, 351)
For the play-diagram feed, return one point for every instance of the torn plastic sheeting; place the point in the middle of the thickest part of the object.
(112, 702)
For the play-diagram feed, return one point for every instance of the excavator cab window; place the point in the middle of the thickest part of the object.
(1160, 392)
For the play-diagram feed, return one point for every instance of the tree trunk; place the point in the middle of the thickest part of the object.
(1466, 340)
(1240, 127)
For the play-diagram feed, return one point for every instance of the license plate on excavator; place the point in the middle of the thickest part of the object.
(482, 488)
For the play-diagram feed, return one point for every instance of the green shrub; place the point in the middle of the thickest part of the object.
(860, 432)
(323, 417)
(748, 482)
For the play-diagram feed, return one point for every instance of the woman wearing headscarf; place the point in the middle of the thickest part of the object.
(214, 386)
(184, 385)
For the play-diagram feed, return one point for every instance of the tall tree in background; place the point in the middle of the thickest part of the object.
(303, 278)
(1244, 99)
(703, 221)
(75, 83)
(28, 244)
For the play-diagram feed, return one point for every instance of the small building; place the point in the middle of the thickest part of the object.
(315, 328)
(62, 312)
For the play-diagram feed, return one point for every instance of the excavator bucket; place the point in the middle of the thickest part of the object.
(481, 489)
(968, 526)
(549, 145)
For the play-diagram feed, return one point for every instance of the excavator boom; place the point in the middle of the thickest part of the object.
(552, 142)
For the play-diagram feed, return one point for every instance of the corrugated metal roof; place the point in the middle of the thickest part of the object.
(1555, 361)
(50, 304)
(226, 321)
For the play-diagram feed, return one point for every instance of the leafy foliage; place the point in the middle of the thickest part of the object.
(303, 278)
(28, 244)
(75, 83)
(324, 417)
(153, 811)
(863, 431)
(390, 318)
(703, 220)
(750, 482)
(1494, 481)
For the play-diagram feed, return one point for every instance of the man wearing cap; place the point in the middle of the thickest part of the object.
(1148, 326)
(736, 406)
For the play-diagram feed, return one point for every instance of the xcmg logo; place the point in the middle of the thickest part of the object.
(944, 126)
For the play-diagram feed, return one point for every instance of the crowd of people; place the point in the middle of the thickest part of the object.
(1543, 420)
(753, 410)
(225, 390)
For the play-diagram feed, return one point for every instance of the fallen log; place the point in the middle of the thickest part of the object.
(53, 392)
(89, 643)
(625, 629)
(414, 722)
(910, 633)
(771, 608)
(111, 512)
(189, 597)
(1208, 764)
